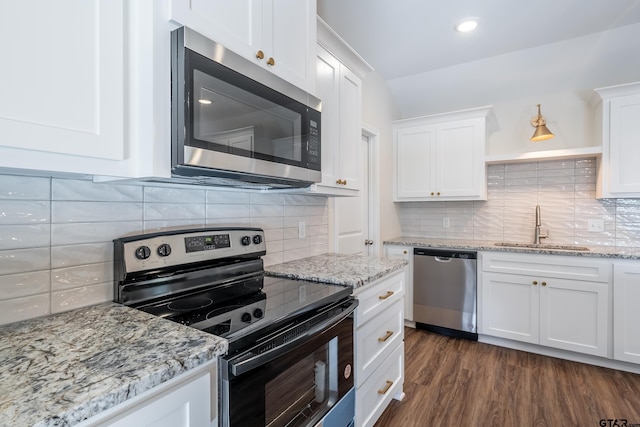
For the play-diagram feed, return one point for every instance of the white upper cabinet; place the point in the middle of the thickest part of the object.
(279, 35)
(618, 114)
(62, 80)
(339, 73)
(441, 157)
(88, 87)
(340, 91)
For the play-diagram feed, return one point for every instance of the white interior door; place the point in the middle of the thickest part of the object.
(352, 225)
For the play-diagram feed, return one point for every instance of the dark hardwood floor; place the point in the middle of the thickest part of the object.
(454, 382)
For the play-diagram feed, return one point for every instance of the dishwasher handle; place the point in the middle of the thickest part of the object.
(442, 258)
(444, 253)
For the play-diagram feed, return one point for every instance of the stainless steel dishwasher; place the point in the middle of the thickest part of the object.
(444, 291)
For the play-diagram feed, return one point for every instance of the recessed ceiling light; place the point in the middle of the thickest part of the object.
(467, 24)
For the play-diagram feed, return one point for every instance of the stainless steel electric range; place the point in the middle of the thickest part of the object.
(290, 352)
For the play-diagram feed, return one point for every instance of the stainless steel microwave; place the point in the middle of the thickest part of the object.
(236, 122)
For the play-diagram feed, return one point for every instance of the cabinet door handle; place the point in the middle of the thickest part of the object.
(387, 295)
(544, 283)
(386, 388)
(438, 193)
(386, 336)
(404, 252)
(535, 282)
(271, 62)
(260, 54)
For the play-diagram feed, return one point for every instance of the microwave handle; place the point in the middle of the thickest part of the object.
(240, 367)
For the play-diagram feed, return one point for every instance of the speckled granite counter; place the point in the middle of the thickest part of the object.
(594, 251)
(338, 269)
(59, 370)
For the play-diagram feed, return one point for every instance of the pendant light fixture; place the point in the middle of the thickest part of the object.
(542, 133)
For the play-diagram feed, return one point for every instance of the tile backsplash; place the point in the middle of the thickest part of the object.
(56, 250)
(565, 191)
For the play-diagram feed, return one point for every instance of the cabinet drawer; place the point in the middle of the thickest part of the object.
(376, 393)
(562, 267)
(378, 296)
(377, 339)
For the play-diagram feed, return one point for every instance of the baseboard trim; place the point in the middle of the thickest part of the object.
(561, 354)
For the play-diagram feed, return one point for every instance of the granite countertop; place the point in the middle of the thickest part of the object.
(337, 269)
(594, 251)
(59, 370)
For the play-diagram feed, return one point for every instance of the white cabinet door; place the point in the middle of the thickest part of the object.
(510, 307)
(62, 80)
(341, 93)
(626, 298)
(574, 315)
(624, 145)
(404, 252)
(460, 166)
(328, 89)
(413, 150)
(237, 25)
(618, 114)
(186, 406)
(290, 28)
(350, 128)
(278, 35)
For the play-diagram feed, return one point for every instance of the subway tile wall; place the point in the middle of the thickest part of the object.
(565, 191)
(56, 250)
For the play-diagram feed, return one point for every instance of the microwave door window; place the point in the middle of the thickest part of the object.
(229, 119)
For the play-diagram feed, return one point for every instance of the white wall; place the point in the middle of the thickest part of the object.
(378, 111)
(56, 250)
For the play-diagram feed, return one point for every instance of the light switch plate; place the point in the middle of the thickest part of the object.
(302, 230)
(595, 225)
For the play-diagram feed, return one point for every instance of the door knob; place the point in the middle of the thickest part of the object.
(368, 242)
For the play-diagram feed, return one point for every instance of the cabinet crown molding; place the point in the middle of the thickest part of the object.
(472, 113)
(602, 93)
(338, 47)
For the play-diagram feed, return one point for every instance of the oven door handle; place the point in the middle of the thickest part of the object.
(242, 366)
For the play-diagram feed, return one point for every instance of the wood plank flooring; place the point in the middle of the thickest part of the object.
(454, 382)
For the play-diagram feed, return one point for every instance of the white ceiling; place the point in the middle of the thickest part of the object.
(405, 37)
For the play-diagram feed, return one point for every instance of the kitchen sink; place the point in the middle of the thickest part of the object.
(544, 246)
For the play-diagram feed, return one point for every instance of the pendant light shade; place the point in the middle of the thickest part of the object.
(542, 133)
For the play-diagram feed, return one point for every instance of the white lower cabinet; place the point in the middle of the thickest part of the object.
(404, 252)
(626, 297)
(188, 400)
(379, 346)
(555, 301)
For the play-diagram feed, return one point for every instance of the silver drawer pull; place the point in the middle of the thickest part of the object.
(386, 336)
(387, 295)
(386, 388)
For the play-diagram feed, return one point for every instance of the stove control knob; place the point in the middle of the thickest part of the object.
(246, 317)
(164, 250)
(143, 252)
(246, 240)
(257, 239)
(258, 313)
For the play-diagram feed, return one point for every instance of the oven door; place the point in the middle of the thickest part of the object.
(294, 383)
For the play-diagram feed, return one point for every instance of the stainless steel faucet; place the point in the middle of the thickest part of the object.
(538, 234)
